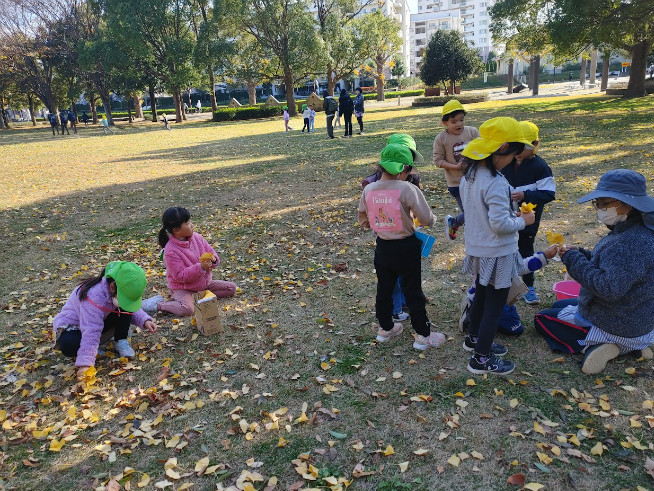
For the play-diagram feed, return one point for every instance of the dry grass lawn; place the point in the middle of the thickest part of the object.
(295, 390)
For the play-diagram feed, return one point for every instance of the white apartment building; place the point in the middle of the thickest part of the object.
(423, 26)
(398, 10)
(474, 21)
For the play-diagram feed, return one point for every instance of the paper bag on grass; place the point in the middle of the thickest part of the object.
(207, 313)
(517, 291)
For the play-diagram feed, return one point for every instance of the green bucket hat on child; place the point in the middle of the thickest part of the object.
(394, 157)
(130, 283)
(409, 142)
(304, 106)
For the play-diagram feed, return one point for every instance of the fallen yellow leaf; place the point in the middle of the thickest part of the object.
(403, 466)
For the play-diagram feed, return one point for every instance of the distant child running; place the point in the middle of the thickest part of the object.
(448, 146)
(491, 239)
(100, 308)
(54, 124)
(287, 118)
(72, 119)
(105, 125)
(531, 182)
(306, 115)
(164, 120)
(386, 207)
(187, 270)
(63, 117)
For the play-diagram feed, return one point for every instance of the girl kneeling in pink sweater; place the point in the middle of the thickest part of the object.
(186, 272)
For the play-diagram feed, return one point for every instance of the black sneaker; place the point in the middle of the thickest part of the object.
(490, 364)
(497, 349)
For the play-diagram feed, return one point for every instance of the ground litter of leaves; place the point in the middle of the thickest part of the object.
(295, 393)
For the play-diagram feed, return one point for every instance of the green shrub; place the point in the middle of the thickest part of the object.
(394, 94)
(252, 112)
(465, 98)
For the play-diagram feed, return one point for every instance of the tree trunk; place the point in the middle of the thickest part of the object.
(530, 81)
(30, 99)
(106, 102)
(212, 82)
(5, 119)
(593, 66)
(606, 61)
(639, 52)
(129, 108)
(582, 76)
(379, 78)
(536, 70)
(153, 103)
(177, 103)
(331, 80)
(252, 93)
(94, 110)
(290, 96)
(138, 110)
(510, 76)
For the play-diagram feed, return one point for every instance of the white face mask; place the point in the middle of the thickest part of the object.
(114, 300)
(610, 216)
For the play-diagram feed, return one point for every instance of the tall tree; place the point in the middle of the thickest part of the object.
(249, 65)
(287, 29)
(448, 59)
(380, 35)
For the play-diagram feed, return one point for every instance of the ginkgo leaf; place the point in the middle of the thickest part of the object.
(144, 481)
(471, 382)
(533, 486)
(403, 466)
(527, 207)
(388, 451)
(186, 485)
(454, 460)
(514, 403)
(201, 465)
(55, 445)
(555, 238)
(598, 449)
(421, 451)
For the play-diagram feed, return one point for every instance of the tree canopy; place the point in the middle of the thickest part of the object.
(448, 59)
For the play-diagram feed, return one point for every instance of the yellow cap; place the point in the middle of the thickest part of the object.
(451, 106)
(493, 133)
(529, 130)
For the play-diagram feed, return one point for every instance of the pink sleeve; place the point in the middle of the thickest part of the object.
(181, 273)
(206, 247)
(91, 324)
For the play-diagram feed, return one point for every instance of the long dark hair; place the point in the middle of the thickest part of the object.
(471, 165)
(175, 216)
(89, 282)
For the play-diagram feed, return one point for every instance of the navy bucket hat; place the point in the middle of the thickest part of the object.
(624, 185)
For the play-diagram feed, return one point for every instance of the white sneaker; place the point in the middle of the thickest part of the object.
(434, 340)
(150, 304)
(124, 349)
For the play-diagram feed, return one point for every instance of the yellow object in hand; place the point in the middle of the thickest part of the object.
(554, 238)
(527, 207)
(416, 223)
(207, 256)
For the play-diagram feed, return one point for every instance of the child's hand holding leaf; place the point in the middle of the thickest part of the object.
(555, 238)
(527, 207)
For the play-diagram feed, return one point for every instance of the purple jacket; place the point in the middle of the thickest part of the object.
(182, 260)
(90, 319)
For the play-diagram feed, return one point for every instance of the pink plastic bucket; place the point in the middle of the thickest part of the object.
(566, 289)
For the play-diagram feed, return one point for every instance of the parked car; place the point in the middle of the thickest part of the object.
(614, 74)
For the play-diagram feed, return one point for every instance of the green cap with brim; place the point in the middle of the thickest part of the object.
(394, 157)
(130, 283)
(409, 142)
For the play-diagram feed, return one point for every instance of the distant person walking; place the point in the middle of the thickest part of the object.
(104, 122)
(72, 120)
(358, 108)
(85, 118)
(53, 123)
(63, 117)
(346, 108)
(330, 106)
(164, 120)
(199, 106)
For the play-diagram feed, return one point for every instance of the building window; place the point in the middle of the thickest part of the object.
(482, 31)
(483, 22)
(482, 40)
(420, 30)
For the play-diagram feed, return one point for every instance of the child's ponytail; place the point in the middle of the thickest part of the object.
(87, 283)
(173, 217)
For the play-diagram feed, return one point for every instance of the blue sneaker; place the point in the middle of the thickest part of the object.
(531, 297)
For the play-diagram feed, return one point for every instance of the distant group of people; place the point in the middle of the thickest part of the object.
(345, 107)
(66, 117)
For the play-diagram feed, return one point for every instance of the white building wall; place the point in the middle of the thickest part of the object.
(423, 26)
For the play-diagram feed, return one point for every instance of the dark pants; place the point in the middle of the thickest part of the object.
(394, 258)
(526, 248)
(330, 127)
(360, 121)
(460, 219)
(69, 341)
(485, 314)
(306, 125)
(64, 127)
(73, 125)
(54, 127)
(347, 119)
(558, 306)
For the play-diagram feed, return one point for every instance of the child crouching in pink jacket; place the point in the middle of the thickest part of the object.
(186, 272)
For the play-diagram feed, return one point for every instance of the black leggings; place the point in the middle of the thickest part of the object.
(485, 313)
(69, 341)
(347, 119)
(526, 248)
(360, 121)
(392, 259)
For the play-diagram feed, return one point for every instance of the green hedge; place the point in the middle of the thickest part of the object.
(253, 112)
(465, 98)
(394, 94)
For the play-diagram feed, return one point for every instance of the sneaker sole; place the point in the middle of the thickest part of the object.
(531, 302)
(482, 372)
(423, 347)
(596, 361)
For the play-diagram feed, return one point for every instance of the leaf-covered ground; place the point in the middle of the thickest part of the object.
(295, 393)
